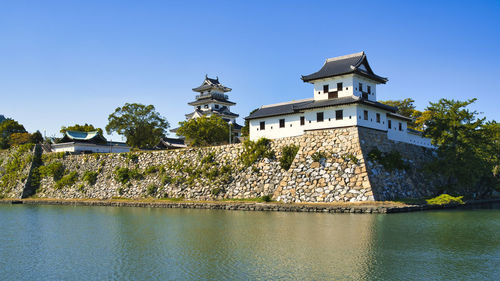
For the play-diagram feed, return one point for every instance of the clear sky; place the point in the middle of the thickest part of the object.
(67, 62)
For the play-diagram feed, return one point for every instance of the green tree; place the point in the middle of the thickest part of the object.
(464, 142)
(203, 131)
(81, 128)
(245, 130)
(406, 108)
(141, 124)
(36, 137)
(7, 128)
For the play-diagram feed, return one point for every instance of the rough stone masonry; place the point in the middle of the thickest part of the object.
(343, 173)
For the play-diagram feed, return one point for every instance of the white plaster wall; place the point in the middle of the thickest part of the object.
(394, 133)
(372, 117)
(419, 140)
(347, 86)
(89, 147)
(292, 122)
(366, 82)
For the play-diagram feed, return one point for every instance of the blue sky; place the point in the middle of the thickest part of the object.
(66, 62)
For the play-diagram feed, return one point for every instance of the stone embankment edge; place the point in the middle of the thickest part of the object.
(246, 206)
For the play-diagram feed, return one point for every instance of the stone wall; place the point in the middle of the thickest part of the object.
(15, 167)
(331, 165)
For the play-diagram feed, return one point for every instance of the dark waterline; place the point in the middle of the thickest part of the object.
(110, 243)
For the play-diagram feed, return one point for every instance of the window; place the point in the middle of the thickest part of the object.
(199, 106)
(378, 117)
(339, 114)
(389, 124)
(282, 123)
(302, 120)
(400, 126)
(216, 106)
(369, 88)
(262, 125)
(365, 114)
(360, 87)
(325, 89)
(319, 117)
(339, 87)
(333, 95)
(206, 106)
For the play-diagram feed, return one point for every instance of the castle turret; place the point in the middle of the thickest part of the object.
(212, 99)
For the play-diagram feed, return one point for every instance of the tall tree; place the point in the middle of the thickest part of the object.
(462, 147)
(406, 108)
(81, 128)
(7, 128)
(141, 124)
(204, 131)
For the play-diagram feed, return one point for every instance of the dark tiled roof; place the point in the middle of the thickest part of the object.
(311, 104)
(345, 65)
(395, 115)
(209, 100)
(278, 109)
(210, 83)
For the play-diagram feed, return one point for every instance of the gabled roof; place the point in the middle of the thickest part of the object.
(350, 64)
(210, 83)
(299, 106)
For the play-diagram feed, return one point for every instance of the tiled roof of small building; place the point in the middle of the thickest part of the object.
(295, 107)
(345, 65)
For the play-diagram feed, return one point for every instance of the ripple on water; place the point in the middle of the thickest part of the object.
(104, 243)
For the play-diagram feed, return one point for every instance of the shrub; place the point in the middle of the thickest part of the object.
(265, 198)
(151, 189)
(133, 157)
(254, 151)
(166, 179)
(318, 156)
(288, 153)
(445, 199)
(67, 180)
(390, 160)
(54, 170)
(151, 170)
(90, 177)
(123, 175)
(215, 191)
(209, 158)
(350, 157)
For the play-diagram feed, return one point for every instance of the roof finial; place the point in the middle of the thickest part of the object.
(217, 78)
(206, 76)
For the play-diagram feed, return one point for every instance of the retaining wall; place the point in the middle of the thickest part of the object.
(344, 174)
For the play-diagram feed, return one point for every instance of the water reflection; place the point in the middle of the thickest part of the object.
(90, 243)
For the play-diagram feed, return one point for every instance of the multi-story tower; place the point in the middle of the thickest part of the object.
(212, 99)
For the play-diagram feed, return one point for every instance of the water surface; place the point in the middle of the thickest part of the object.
(111, 243)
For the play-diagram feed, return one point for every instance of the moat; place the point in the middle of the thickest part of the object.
(120, 243)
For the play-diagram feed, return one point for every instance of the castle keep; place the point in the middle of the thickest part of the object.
(344, 95)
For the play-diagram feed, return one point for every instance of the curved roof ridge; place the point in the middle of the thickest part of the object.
(362, 53)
